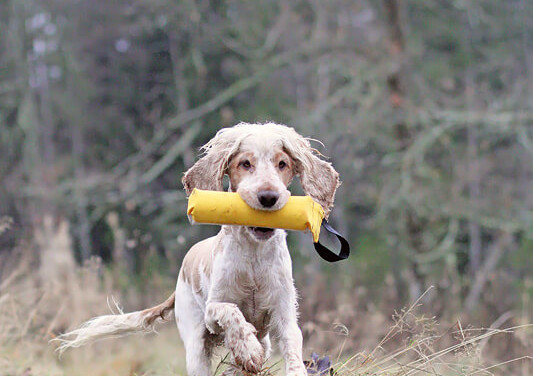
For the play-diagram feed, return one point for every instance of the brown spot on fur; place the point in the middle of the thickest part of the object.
(288, 172)
(236, 172)
(199, 259)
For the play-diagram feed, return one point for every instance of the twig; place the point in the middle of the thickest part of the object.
(526, 357)
(162, 164)
(496, 251)
(495, 325)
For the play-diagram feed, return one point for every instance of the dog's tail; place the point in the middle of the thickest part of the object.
(116, 325)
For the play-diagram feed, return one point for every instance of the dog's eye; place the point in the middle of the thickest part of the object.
(246, 164)
(282, 165)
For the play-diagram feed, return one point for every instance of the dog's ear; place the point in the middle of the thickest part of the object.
(318, 177)
(207, 173)
(319, 180)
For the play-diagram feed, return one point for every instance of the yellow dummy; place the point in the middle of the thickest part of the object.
(227, 208)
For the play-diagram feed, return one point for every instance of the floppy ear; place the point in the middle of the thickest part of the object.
(319, 180)
(317, 177)
(207, 173)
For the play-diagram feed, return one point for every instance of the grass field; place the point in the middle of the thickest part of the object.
(35, 307)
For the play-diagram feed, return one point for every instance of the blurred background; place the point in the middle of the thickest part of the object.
(424, 108)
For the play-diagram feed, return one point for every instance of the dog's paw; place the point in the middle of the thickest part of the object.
(245, 347)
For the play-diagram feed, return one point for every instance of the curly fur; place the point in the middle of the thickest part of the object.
(236, 288)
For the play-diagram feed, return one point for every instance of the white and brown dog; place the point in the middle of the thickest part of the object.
(236, 288)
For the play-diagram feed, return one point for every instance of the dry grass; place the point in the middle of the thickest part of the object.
(37, 304)
(39, 299)
(425, 350)
(31, 315)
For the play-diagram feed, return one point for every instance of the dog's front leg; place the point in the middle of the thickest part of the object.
(290, 345)
(239, 335)
(285, 319)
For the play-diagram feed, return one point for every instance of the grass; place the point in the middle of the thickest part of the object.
(25, 350)
(33, 311)
(34, 307)
(428, 351)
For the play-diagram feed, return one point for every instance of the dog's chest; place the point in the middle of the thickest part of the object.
(256, 296)
(255, 308)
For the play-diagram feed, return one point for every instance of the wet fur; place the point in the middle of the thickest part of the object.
(236, 288)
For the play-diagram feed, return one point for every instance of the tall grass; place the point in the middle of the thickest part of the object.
(416, 345)
(426, 349)
(40, 299)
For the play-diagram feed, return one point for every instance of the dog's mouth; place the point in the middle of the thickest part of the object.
(261, 233)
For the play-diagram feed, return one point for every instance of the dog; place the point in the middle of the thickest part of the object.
(236, 289)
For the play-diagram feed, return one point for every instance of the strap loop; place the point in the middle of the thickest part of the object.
(328, 255)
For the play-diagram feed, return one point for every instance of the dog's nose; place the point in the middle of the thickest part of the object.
(268, 198)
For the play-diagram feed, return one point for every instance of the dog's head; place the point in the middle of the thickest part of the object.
(261, 161)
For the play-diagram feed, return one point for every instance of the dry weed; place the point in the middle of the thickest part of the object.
(39, 300)
(427, 350)
(37, 304)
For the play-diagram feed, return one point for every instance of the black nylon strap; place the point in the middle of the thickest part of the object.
(328, 255)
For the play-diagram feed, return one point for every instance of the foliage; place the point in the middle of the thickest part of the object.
(424, 108)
